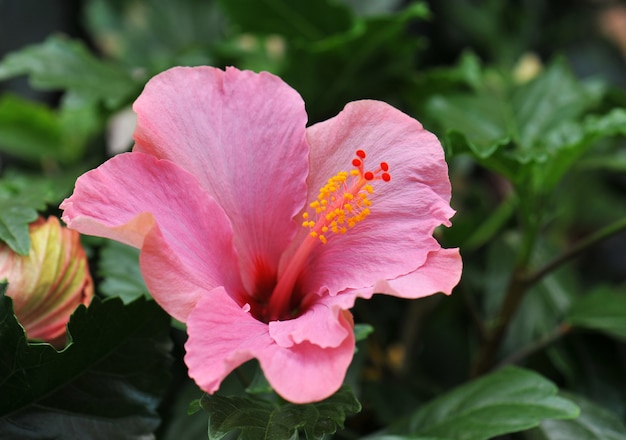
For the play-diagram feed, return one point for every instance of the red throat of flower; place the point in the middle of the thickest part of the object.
(341, 203)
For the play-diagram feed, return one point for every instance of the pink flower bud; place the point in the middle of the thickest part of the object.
(50, 282)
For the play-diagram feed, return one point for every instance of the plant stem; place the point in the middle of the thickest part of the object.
(474, 312)
(519, 284)
(546, 340)
(577, 249)
(515, 291)
(514, 294)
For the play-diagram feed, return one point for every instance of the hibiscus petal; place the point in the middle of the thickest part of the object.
(440, 273)
(185, 237)
(396, 238)
(242, 135)
(321, 325)
(222, 336)
(306, 372)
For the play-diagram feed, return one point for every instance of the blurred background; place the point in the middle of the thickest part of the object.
(64, 108)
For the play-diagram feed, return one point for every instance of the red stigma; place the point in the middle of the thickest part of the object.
(381, 173)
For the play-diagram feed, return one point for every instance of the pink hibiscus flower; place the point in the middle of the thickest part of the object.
(260, 233)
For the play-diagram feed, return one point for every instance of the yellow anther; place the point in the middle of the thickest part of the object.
(341, 204)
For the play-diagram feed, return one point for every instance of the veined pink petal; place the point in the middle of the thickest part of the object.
(185, 237)
(440, 273)
(222, 336)
(320, 325)
(242, 135)
(315, 372)
(396, 238)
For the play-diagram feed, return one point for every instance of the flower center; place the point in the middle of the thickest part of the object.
(341, 203)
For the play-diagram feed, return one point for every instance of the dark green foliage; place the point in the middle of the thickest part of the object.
(60, 63)
(260, 420)
(299, 21)
(119, 266)
(594, 423)
(508, 400)
(106, 383)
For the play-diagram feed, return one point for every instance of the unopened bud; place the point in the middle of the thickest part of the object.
(50, 282)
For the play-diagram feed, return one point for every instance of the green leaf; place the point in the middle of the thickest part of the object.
(594, 423)
(20, 199)
(28, 130)
(258, 419)
(309, 21)
(60, 63)
(603, 310)
(119, 266)
(33, 132)
(483, 129)
(362, 331)
(14, 220)
(509, 400)
(529, 133)
(569, 141)
(107, 382)
(543, 104)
